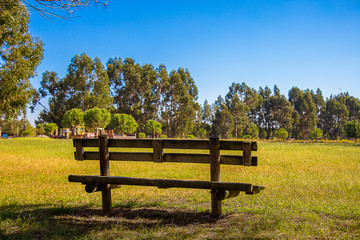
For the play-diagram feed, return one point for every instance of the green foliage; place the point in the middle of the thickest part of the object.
(141, 135)
(73, 118)
(153, 128)
(190, 136)
(281, 134)
(123, 123)
(201, 133)
(40, 129)
(28, 133)
(262, 133)
(85, 86)
(316, 134)
(20, 54)
(247, 137)
(352, 129)
(163, 136)
(96, 118)
(50, 128)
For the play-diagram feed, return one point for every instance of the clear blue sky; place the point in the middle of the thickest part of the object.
(304, 43)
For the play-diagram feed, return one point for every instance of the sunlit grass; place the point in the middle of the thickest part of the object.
(312, 191)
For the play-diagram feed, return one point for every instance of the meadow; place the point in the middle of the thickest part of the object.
(312, 192)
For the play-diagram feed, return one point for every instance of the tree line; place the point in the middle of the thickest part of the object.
(170, 98)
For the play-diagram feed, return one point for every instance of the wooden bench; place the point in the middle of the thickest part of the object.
(219, 190)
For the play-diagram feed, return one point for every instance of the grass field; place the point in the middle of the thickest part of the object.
(312, 192)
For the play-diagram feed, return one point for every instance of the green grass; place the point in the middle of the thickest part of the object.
(312, 192)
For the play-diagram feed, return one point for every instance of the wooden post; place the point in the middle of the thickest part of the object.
(158, 151)
(105, 171)
(214, 143)
(247, 153)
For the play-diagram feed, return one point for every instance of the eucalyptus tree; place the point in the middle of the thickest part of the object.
(20, 54)
(223, 122)
(85, 86)
(337, 115)
(241, 101)
(179, 104)
(304, 117)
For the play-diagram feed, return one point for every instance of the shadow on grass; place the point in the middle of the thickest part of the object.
(41, 222)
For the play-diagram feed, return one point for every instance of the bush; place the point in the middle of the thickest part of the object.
(190, 136)
(141, 135)
(247, 137)
(281, 134)
(28, 133)
(163, 136)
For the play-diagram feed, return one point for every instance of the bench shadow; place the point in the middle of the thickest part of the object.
(41, 222)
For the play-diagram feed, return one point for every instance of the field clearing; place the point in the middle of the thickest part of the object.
(312, 192)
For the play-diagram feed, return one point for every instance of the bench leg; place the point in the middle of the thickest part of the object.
(214, 143)
(215, 205)
(105, 171)
(106, 199)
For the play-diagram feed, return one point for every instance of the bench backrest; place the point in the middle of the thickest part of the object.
(160, 150)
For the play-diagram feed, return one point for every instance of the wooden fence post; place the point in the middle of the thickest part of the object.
(214, 143)
(105, 171)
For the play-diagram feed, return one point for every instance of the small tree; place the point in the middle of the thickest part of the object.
(40, 129)
(123, 123)
(153, 128)
(352, 129)
(281, 134)
(316, 134)
(73, 118)
(96, 118)
(262, 133)
(50, 128)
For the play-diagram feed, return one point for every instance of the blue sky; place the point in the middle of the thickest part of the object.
(308, 44)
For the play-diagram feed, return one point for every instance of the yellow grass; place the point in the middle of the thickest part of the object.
(312, 191)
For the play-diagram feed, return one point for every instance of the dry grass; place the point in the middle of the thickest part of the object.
(312, 192)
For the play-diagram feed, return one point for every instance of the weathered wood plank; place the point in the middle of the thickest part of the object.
(185, 144)
(236, 145)
(131, 143)
(169, 157)
(162, 183)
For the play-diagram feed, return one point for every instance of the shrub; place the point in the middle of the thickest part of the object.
(190, 136)
(247, 137)
(50, 128)
(281, 134)
(141, 135)
(163, 136)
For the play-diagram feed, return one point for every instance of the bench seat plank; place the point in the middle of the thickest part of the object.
(164, 183)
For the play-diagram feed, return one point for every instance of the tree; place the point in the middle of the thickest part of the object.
(281, 134)
(305, 111)
(179, 104)
(223, 123)
(352, 129)
(153, 128)
(58, 8)
(336, 116)
(316, 134)
(40, 129)
(96, 118)
(20, 54)
(73, 119)
(123, 123)
(50, 128)
(85, 86)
